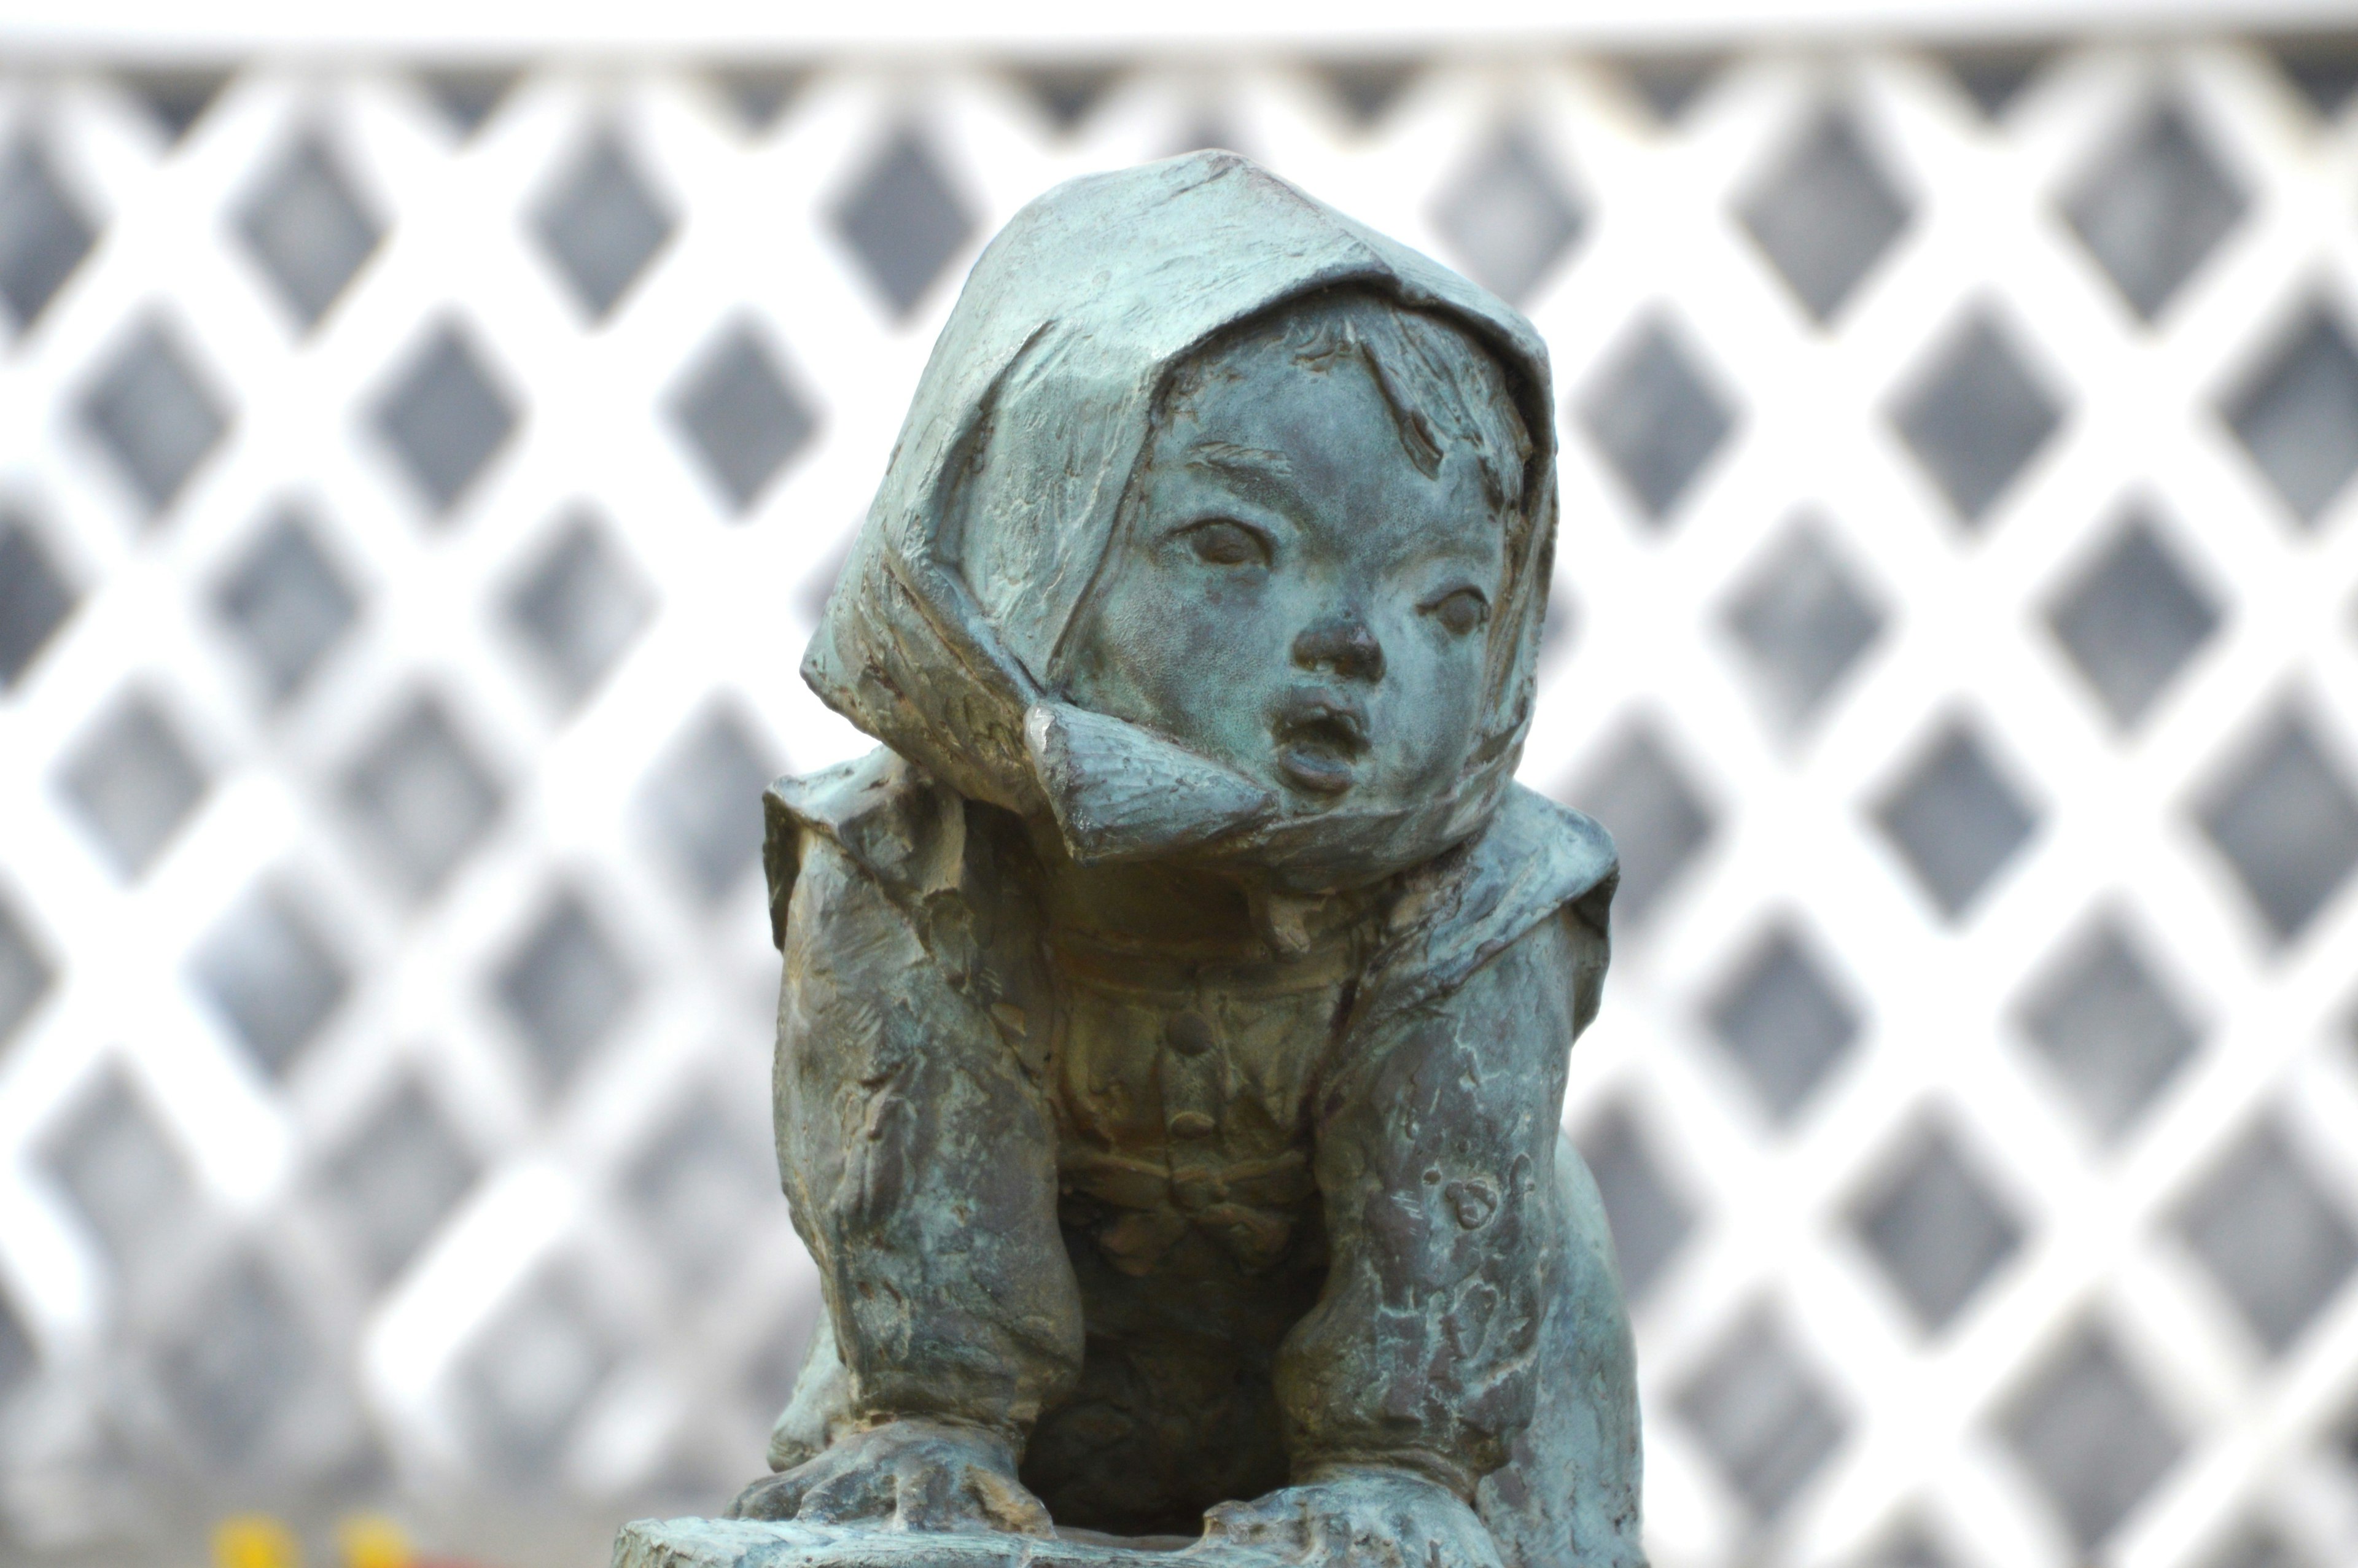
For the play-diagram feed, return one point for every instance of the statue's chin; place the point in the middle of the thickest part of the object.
(1121, 793)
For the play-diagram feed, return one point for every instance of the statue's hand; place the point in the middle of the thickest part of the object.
(1359, 1516)
(911, 1475)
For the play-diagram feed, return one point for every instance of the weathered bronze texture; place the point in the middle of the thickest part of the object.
(1176, 1006)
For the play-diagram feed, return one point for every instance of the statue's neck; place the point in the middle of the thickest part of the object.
(1158, 907)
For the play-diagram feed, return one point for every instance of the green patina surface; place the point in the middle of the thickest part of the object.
(1176, 1007)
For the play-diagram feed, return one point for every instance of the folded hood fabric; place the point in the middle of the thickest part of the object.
(945, 635)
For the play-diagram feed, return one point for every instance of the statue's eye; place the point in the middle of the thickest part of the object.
(1221, 543)
(1461, 612)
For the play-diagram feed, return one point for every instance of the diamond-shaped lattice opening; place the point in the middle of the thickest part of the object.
(1560, 626)
(444, 416)
(768, 1375)
(703, 801)
(2255, 1546)
(601, 223)
(2325, 66)
(1784, 1020)
(236, 1358)
(758, 94)
(1802, 619)
(2090, 1436)
(818, 585)
(308, 229)
(176, 97)
(397, 1180)
(126, 1180)
(1509, 216)
(1659, 821)
(2346, 1435)
(565, 986)
(1762, 1412)
(132, 780)
(533, 1374)
(271, 976)
(1912, 1548)
(1066, 93)
(1367, 89)
(153, 413)
(903, 220)
(418, 798)
(1670, 83)
(25, 971)
(2151, 209)
(466, 97)
(1995, 77)
(2296, 414)
(1656, 417)
(697, 1476)
(2110, 1030)
(1974, 416)
(1933, 1224)
(578, 607)
(285, 603)
(20, 1359)
(43, 234)
(701, 1184)
(1955, 820)
(36, 596)
(2131, 619)
(1205, 129)
(2275, 1241)
(742, 413)
(1824, 215)
(2283, 813)
(1649, 1216)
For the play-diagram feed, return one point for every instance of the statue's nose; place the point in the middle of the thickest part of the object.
(1343, 644)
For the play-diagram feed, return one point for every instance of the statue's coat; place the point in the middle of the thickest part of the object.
(1171, 1224)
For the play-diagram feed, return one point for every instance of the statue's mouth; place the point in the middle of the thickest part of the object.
(1321, 736)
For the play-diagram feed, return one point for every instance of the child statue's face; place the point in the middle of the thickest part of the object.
(1292, 596)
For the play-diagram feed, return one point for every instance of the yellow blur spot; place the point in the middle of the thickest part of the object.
(372, 1540)
(255, 1540)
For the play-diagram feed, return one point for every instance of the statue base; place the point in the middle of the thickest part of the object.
(756, 1543)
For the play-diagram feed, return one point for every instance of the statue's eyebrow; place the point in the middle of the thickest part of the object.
(1252, 464)
(1255, 472)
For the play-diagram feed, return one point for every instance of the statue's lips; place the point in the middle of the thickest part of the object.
(1320, 737)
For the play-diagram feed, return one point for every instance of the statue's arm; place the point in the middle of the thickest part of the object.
(1435, 1157)
(919, 1161)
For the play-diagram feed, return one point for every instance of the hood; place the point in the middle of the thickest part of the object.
(943, 636)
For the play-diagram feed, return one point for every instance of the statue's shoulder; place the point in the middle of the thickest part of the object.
(893, 822)
(1556, 855)
(1536, 858)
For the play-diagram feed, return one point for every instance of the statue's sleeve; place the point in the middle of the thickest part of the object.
(1437, 1143)
(919, 1159)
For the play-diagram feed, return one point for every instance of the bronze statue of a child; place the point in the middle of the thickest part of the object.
(1173, 1037)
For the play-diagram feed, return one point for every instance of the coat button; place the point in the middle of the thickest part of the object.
(1188, 1033)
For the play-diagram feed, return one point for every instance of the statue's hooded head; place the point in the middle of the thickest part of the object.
(1219, 530)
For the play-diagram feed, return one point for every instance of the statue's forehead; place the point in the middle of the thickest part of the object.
(1352, 484)
(1262, 387)
(1266, 410)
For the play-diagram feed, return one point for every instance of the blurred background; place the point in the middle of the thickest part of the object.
(419, 474)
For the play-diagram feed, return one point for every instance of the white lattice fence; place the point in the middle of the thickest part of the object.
(414, 492)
